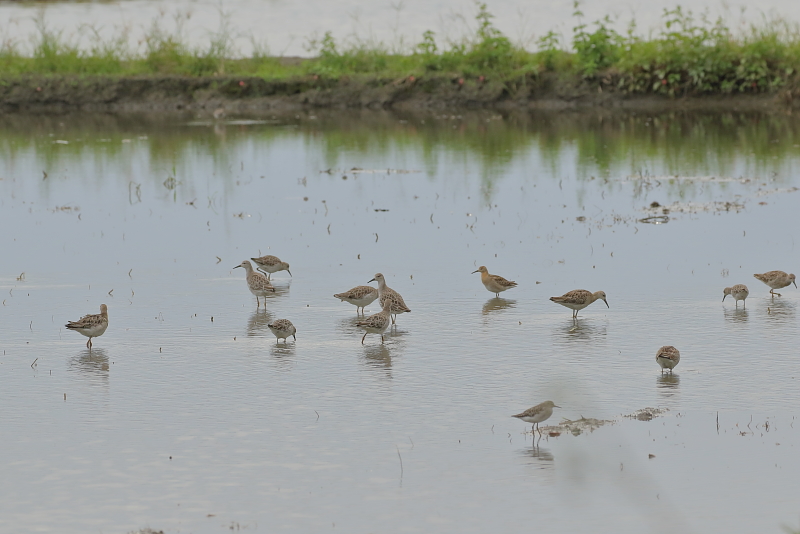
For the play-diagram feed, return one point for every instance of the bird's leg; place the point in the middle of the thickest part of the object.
(381, 339)
(362, 339)
(773, 293)
(393, 318)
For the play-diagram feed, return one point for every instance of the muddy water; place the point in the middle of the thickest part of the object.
(187, 416)
(287, 28)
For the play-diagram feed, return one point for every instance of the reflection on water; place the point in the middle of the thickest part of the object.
(667, 384)
(282, 354)
(496, 304)
(378, 357)
(735, 315)
(92, 364)
(538, 456)
(219, 205)
(258, 321)
(582, 330)
(781, 311)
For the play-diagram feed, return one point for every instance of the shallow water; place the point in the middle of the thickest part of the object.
(191, 424)
(287, 28)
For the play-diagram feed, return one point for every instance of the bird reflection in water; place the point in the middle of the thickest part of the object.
(497, 304)
(542, 458)
(92, 364)
(781, 311)
(378, 356)
(583, 330)
(667, 384)
(283, 355)
(258, 321)
(736, 315)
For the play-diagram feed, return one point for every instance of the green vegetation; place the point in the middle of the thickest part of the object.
(689, 55)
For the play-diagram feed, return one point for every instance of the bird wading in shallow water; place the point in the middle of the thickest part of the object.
(387, 294)
(282, 328)
(738, 292)
(776, 280)
(537, 414)
(668, 357)
(359, 296)
(377, 323)
(270, 265)
(257, 283)
(494, 283)
(578, 299)
(91, 325)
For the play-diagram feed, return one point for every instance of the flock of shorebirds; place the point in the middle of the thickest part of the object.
(392, 304)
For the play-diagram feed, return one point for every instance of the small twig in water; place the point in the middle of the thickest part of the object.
(34, 363)
(109, 293)
(316, 412)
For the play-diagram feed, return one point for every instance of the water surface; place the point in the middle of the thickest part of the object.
(187, 416)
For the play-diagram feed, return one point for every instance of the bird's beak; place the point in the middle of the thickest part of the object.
(288, 271)
(795, 284)
(371, 280)
(237, 266)
(475, 271)
(607, 306)
(556, 406)
(723, 297)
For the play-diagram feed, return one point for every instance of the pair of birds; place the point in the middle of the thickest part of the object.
(259, 285)
(774, 279)
(95, 326)
(392, 304)
(259, 282)
(575, 300)
(667, 357)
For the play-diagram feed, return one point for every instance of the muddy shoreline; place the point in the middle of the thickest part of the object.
(58, 94)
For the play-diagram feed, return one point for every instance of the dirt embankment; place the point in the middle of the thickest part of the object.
(172, 93)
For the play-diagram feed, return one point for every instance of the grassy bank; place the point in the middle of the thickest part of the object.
(688, 56)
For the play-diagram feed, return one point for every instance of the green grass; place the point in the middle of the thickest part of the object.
(689, 55)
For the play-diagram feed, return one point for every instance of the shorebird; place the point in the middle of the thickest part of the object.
(376, 323)
(282, 328)
(270, 265)
(578, 299)
(537, 414)
(387, 294)
(257, 283)
(494, 283)
(776, 280)
(91, 325)
(359, 296)
(668, 357)
(738, 292)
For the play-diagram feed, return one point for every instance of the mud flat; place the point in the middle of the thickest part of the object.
(37, 93)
